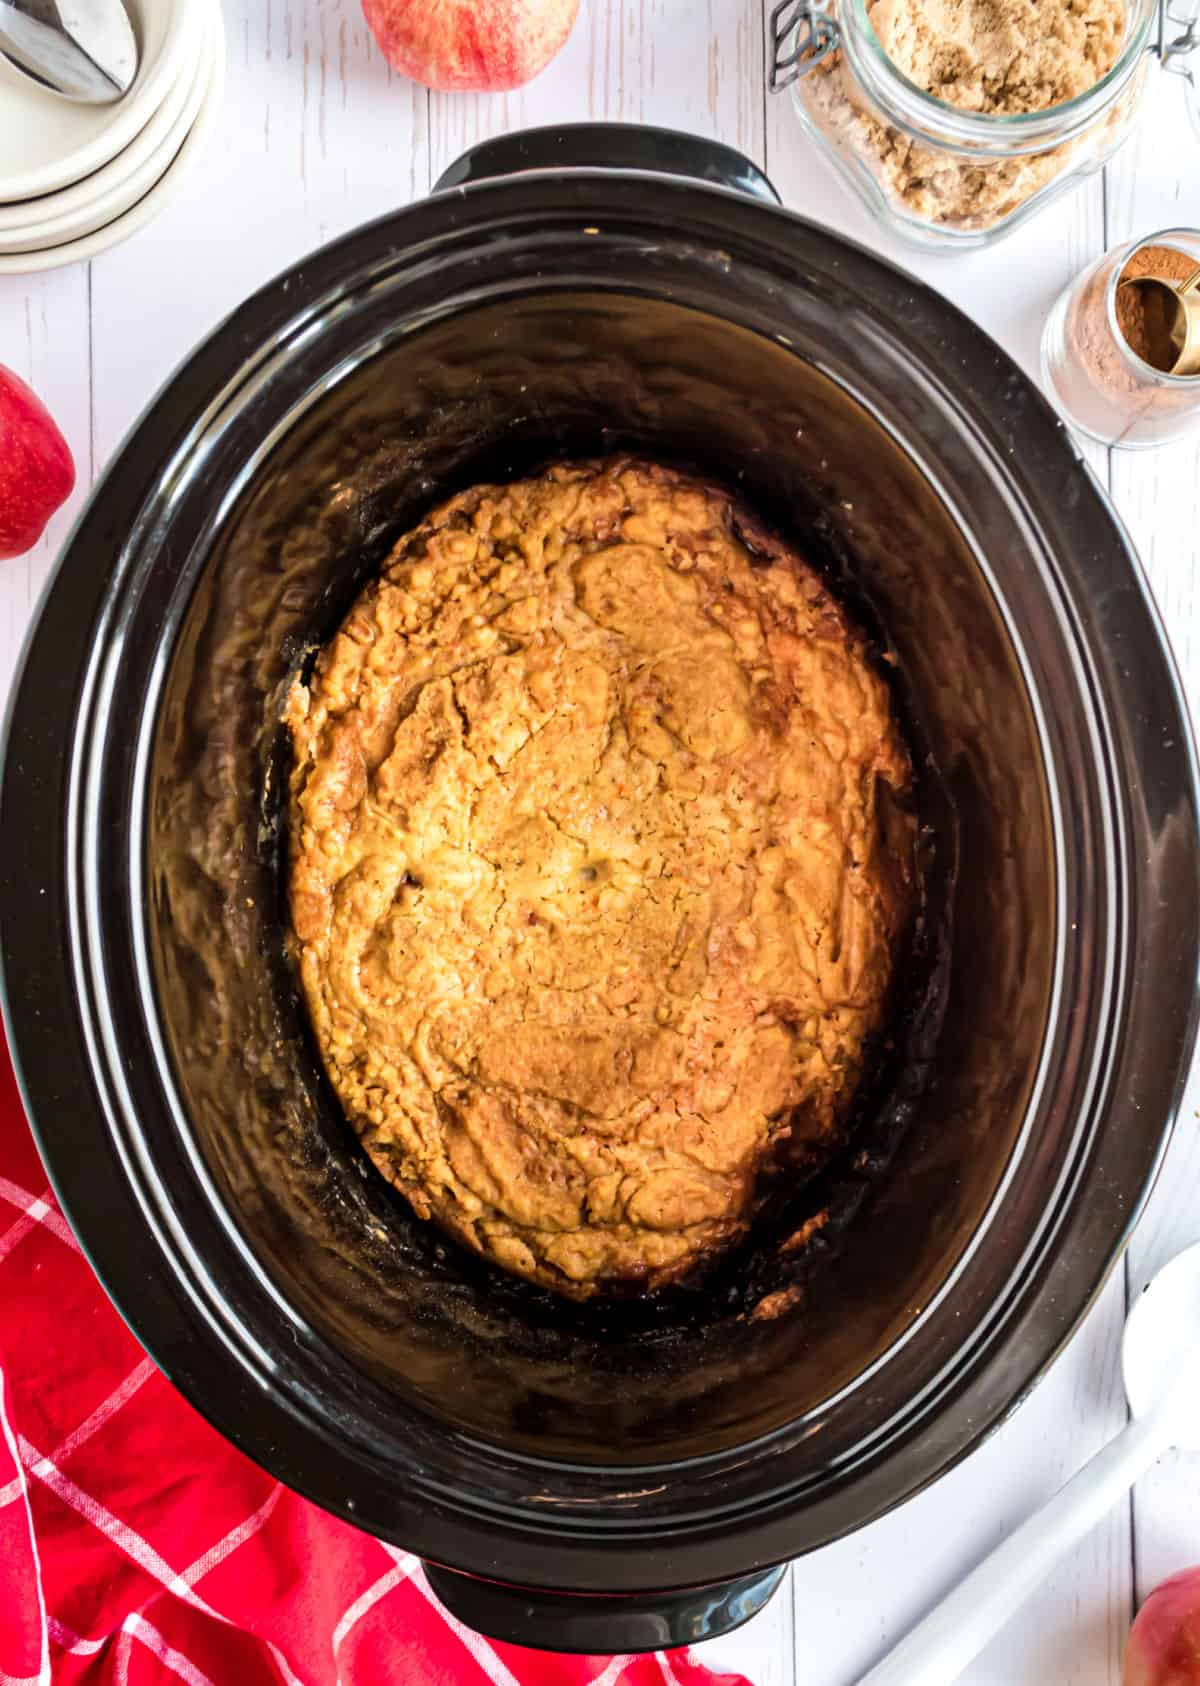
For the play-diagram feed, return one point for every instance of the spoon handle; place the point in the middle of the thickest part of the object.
(939, 1648)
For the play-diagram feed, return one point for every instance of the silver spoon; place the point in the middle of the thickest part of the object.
(84, 50)
(1160, 1356)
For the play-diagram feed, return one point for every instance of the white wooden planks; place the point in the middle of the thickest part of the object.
(317, 136)
(1155, 184)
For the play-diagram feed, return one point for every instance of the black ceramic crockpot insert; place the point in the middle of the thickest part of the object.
(168, 1069)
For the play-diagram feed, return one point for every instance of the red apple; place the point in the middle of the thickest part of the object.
(470, 44)
(1164, 1641)
(36, 468)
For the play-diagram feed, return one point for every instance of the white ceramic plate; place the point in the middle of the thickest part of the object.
(75, 251)
(46, 142)
(93, 214)
(27, 213)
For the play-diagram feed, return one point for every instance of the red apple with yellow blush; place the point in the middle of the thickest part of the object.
(36, 468)
(1164, 1642)
(470, 45)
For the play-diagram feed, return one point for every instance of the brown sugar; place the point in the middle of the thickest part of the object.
(1003, 57)
(998, 58)
(1144, 324)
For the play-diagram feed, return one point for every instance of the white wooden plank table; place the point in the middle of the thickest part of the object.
(317, 136)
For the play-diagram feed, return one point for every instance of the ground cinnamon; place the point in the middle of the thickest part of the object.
(1145, 326)
(1101, 371)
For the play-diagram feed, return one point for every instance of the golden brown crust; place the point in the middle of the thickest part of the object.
(590, 893)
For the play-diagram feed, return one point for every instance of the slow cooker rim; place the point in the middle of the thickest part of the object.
(205, 351)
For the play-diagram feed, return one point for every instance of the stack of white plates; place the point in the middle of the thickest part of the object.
(77, 178)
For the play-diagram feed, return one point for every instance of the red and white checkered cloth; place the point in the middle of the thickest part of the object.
(137, 1545)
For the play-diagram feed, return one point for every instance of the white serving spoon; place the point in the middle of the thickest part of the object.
(84, 50)
(1160, 1357)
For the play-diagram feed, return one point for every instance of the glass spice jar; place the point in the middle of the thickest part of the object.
(1100, 383)
(937, 174)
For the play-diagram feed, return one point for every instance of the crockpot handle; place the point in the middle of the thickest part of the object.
(594, 1624)
(609, 146)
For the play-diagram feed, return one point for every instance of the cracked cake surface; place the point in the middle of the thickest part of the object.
(597, 869)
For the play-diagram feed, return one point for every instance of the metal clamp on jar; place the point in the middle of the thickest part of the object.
(1175, 50)
(946, 176)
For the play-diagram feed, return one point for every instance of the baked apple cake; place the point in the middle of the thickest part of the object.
(600, 864)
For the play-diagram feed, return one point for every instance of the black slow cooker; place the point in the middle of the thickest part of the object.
(612, 1480)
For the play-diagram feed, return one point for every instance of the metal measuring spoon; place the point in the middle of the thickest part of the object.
(1177, 307)
(84, 50)
(1160, 1357)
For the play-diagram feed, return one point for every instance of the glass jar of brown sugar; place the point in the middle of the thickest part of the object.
(1101, 350)
(956, 120)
